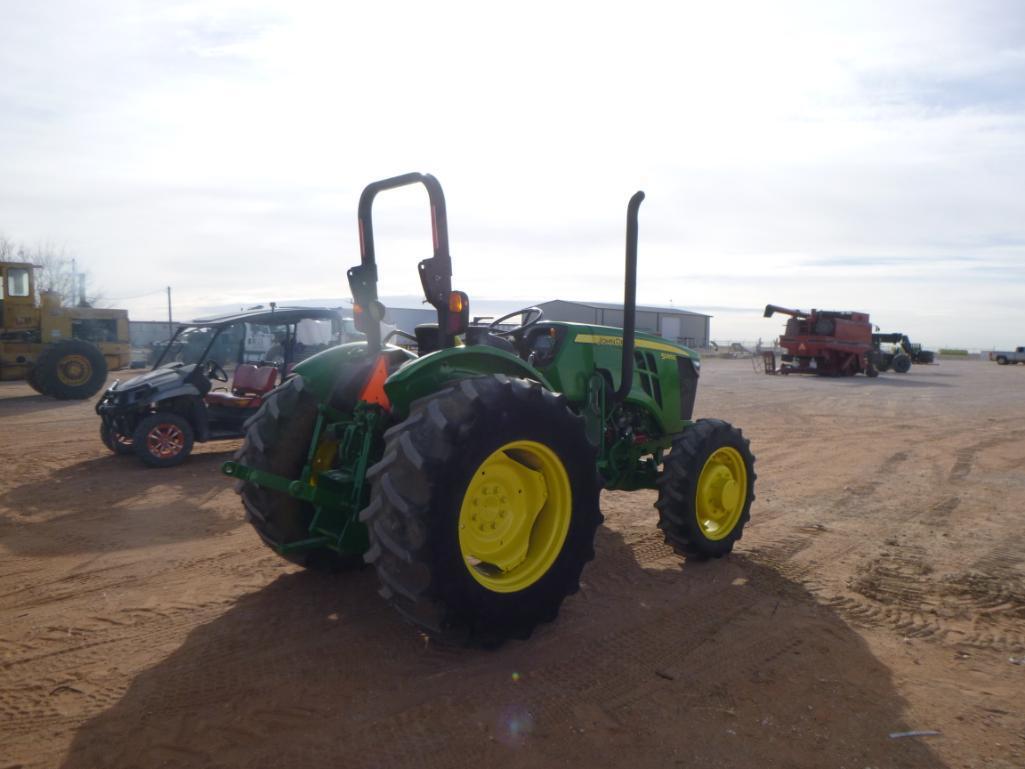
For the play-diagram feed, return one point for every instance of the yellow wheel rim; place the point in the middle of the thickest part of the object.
(74, 370)
(515, 516)
(323, 459)
(721, 493)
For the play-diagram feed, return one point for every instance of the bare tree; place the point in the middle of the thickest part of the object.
(55, 271)
(7, 248)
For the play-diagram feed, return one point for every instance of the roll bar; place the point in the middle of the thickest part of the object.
(435, 272)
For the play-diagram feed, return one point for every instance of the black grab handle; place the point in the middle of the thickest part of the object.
(435, 272)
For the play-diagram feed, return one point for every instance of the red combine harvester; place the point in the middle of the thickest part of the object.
(824, 342)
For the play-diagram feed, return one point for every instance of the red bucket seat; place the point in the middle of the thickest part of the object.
(249, 386)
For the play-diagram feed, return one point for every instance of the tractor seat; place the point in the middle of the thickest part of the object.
(249, 386)
(428, 338)
(480, 335)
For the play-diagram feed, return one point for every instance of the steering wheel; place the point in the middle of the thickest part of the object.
(214, 371)
(534, 316)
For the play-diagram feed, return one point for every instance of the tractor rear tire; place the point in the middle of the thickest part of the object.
(435, 511)
(71, 370)
(278, 441)
(163, 439)
(705, 490)
(901, 364)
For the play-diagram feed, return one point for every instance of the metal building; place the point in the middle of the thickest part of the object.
(408, 318)
(689, 328)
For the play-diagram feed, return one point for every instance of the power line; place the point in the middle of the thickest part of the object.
(137, 296)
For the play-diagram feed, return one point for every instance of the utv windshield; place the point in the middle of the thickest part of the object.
(279, 344)
(187, 345)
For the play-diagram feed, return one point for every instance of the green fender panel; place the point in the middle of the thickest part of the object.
(323, 370)
(432, 372)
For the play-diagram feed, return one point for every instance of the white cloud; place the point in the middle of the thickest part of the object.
(786, 148)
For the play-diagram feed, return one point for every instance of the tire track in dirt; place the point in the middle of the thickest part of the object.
(895, 588)
(900, 589)
(966, 457)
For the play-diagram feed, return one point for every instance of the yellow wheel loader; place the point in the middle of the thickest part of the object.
(63, 352)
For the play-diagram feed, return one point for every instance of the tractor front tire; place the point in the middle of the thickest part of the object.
(70, 370)
(483, 510)
(705, 489)
(278, 441)
(163, 439)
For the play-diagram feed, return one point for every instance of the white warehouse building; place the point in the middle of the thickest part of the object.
(689, 328)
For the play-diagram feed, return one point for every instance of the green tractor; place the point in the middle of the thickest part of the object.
(469, 474)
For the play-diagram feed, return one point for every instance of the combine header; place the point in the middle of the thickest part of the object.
(824, 342)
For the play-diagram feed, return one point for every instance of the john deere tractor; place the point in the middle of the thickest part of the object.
(63, 352)
(469, 474)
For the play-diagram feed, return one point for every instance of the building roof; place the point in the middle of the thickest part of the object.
(277, 315)
(640, 307)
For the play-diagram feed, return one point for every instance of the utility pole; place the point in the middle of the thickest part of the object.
(170, 323)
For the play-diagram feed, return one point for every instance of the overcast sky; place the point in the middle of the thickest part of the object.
(862, 156)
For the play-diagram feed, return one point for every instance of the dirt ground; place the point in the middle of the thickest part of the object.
(880, 588)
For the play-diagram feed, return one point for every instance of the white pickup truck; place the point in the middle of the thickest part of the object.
(1003, 358)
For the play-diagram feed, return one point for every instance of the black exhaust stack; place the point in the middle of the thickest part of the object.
(629, 298)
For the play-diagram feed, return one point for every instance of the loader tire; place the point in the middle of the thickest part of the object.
(483, 510)
(902, 364)
(33, 380)
(70, 370)
(705, 489)
(277, 440)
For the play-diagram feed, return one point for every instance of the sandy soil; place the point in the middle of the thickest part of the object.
(880, 588)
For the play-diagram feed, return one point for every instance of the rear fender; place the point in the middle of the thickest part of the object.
(337, 375)
(434, 371)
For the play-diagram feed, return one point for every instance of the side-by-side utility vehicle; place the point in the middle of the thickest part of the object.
(209, 379)
(469, 475)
